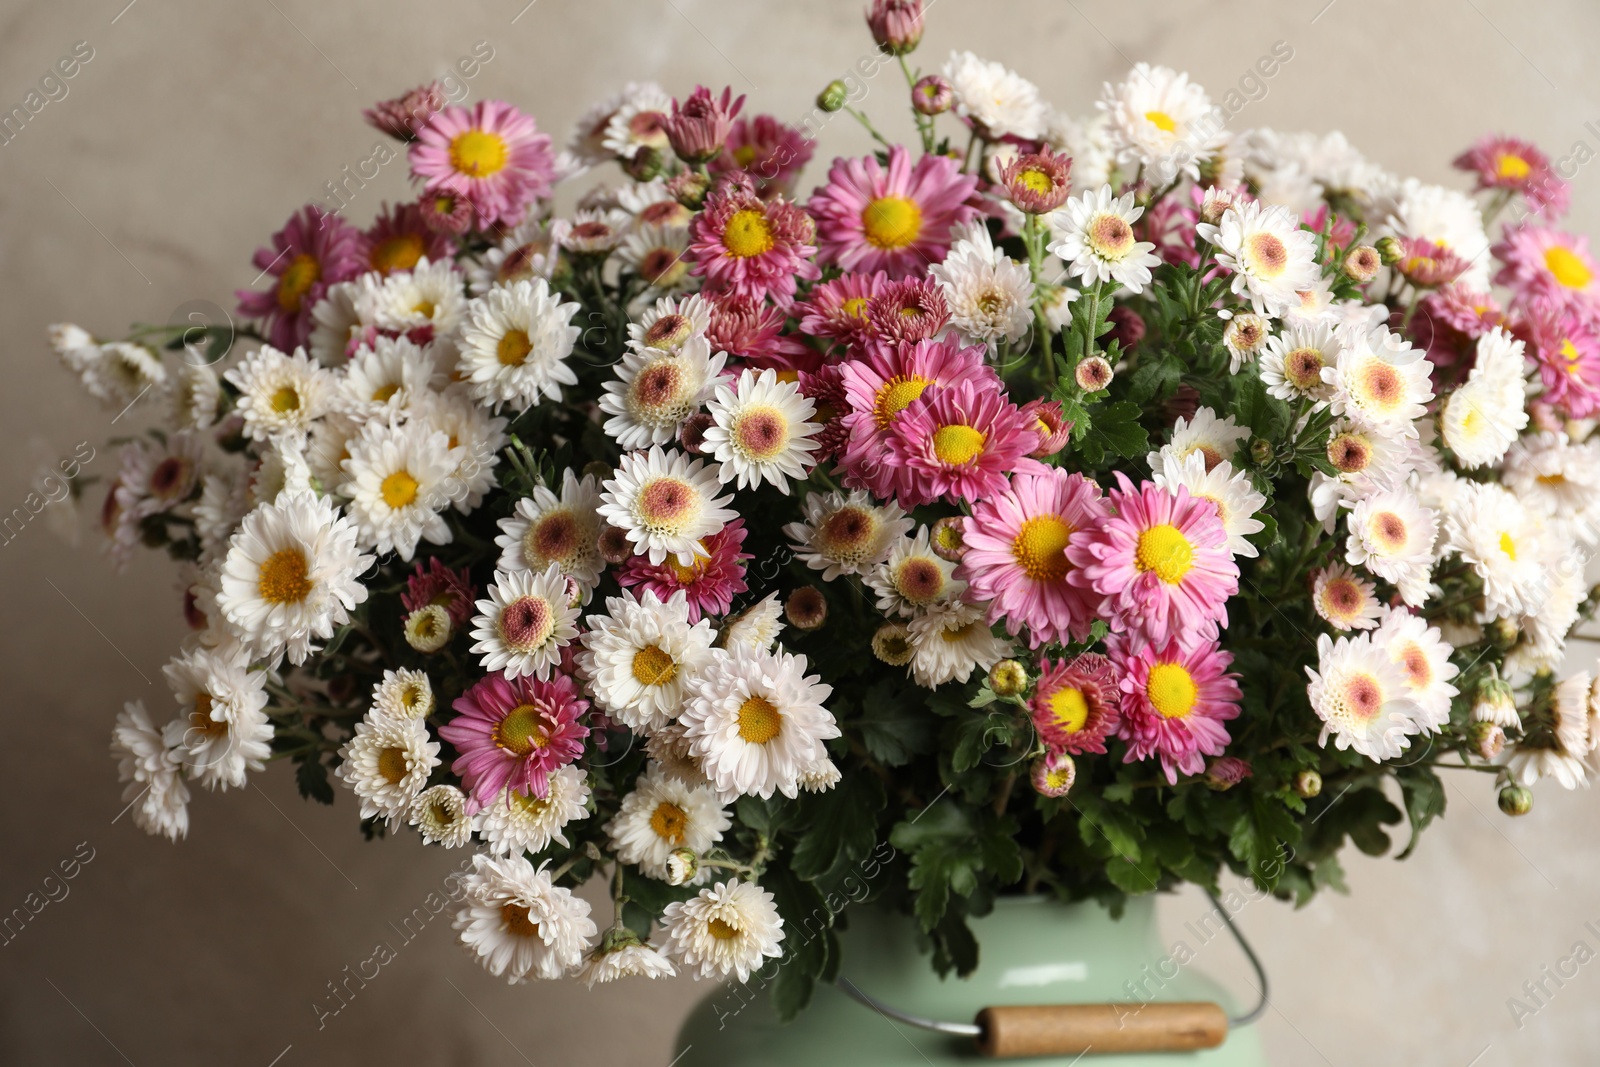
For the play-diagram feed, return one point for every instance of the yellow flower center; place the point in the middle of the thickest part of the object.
(652, 666)
(1069, 710)
(685, 575)
(1567, 268)
(759, 721)
(513, 348)
(721, 930)
(1162, 121)
(200, 718)
(895, 395)
(521, 731)
(392, 764)
(1268, 256)
(855, 307)
(297, 279)
(1110, 236)
(478, 153)
(1035, 181)
(958, 445)
(286, 399)
(1570, 353)
(891, 222)
(747, 234)
(1171, 690)
(283, 578)
(1508, 546)
(398, 489)
(1040, 547)
(384, 392)
(400, 252)
(1512, 167)
(1164, 551)
(518, 921)
(669, 822)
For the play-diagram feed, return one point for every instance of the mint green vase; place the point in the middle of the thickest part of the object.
(1032, 951)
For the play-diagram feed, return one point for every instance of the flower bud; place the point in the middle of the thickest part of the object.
(932, 95)
(646, 164)
(833, 96)
(689, 188)
(947, 540)
(1496, 703)
(1217, 201)
(1390, 250)
(1093, 374)
(428, 628)
(1504, 633)
(1053, 773)
(614, 544)
(1225, 772)
(1361, 263)
(1307, 784)
(1054, 428)
(1486, 739)
(698, 127)
(692, 434)
(1127, 326)
(1037, 182)
(1008, 678)
(1516, 800)
(806, 608)
(896, 25)
(682, 866)
(1261, 451)
(892, 644)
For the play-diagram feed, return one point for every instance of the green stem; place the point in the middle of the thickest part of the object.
(866, 122)
(924, 122)
(1033, 236)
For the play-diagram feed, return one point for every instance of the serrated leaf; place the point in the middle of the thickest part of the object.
(806, 920)
(842, 825)
(1425, 800)
(892, 730)
(311, 777)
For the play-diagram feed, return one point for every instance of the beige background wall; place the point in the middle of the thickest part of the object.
(200, 125)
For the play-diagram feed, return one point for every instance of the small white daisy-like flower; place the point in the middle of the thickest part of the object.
(665, 502)
(328, 447)
(1244, 336)
(657, 254)
(1366, 460)
(1002, 102)
(1392, 535)
(1161, 122)
(397, 482)
(655, 391)
(639, 121)
(217, 682)
(622, 955)
(1380, 383)
(117, 373)
(672, 325)
(1213, 438)
(949, 641)
(387, 378)
(1447, 217)
(430, 295)
(527, 252)
(292, 573)
(638, 655)
(1344, 600)
(1486, 413)
(216, 751)
(1231, 491)
(440, 814)
(193, 394)
(1098, 243)
(846, 533)
(520, 924)
(1362, 698)
(72, 344)
(989, 293)
(428, 629)
(515, 343)
(1490, 529)
(761, 431)
(755, 720)
(280, 393)
(564, 530)
(387, 763)
(1271, 257)
(1293, 361)
(515, 822)
(914, 577)
(283, 469)
(729, 929)
(156, 793)
(1559, 480)
(476, 437)
(1545, 629)
(334, 324)
(403, 694)
(1423, 656)
(662, 814)
(596, 231)
(528, 618)
(1558, 752)
(754, 628)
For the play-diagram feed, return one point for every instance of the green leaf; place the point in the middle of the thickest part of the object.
(1155, 379)
(894, 730)
(806, 923)
(1425, 799)
(843, 826)
(312, 779)
(949, 853)
(766, 817)
(1116, 429)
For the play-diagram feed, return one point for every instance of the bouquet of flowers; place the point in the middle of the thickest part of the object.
(1057, 505)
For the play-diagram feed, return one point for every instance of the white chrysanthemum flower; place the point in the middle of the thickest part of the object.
(519, 923)
(999, 100)
(729, 929)
(1314, 309)
(1423, 656)
(387, 764)
(1446, 217)
(1161, 123)
(761, 431)
(1556, 612)
(658, 255)
(1231, 491)
(622, 955)
(1098, 242)
(1506, 546)
(72, 344)
(949, 641)
(665, 502)
(1344, 600)
(1559, 480)
(1366, 461)
(334, 324)
(672, 326)
(846, 533)
(914, 577)
(585, 145)
(1087, 141)
(193, 394)
(596, 230)
(515, 344)
(476, 437)
(1271, 257)
(654, 392)
(292, 573)
(1486, 413)
(217, 752)
(403, 694)
(158, 475)
(989, 293)
(1393, 536)
(755, 720)
(1557, 751)
(283, 469)
(527, 252)
(328, 447)
(280, 393)
(638, 121)
(440, 814)
(564, 530)
(1215, 439)
(1381, 383)
(1244, 336)
(820, 776)
(754, 628)
(1362, 698)
(387, 378)
(430, 295)
(224, 500)
(155, 793)
(217, 682)
(662, 814)
(1293, 362)
(117, 373)
(428, 629)
(397, 479)
(515, 822)
(638, 655)
(528, 618)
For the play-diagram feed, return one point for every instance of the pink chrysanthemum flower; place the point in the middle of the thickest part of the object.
(1509, 163)
(1428, 264)
(403, 116)
(1169, 225)
(880, 388)
(749, 328)
(698, 128)
(512, 733)
(313, 251)
(752, 247)
(1161, 563)
(1344, 229)
(1450, 321)
(493, 156)
(400, 237)
(1175, 699)
(1076, 703)
(446, 212)
(960, 442)
(437, 584)
(1055, 429)
(838, 308)
(825, 388)
(1016, 556)
(1542, 264)
(897, 220)
(709, 584)
(1566, 345)
(912, 309)
(771, 152)
(1038, 182)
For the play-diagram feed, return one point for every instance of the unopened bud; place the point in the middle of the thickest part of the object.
(1516, 800)
(682, 866)
(692, 434)
(1008, 678)
(689, 188)
(1390, 250)
(614, 544)
(1496, 703)
(1094, 374)
(806, 608)
(1361, 263)
(1053, 773)
(1486, 739)
(1225, 772)
(932, 95)
(1307, 784)
(1261, 451)
(645, 165)
(833, 97)
(1504, 633)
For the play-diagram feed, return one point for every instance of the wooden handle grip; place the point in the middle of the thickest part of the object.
(1066, 1029)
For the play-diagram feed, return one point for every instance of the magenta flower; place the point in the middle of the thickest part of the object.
(438, 584)
(514, 732)
(771, 152)
(897, 220)
(912, 309)
(825, 388)
(1175, 699)
(710, 584)
(1055, 429)
(1509, 163)
(313, 251)
(1451, 320)
(1542, 264)
(1038, 182)
(752, 247)
(1016, 556)
(837, 308)
(1161, 563)
(1076, 703)
(1428, 264)
(1566, 345)
(400, 237)
(752, 330)
(896, 25)
(699, 127)
(403, 116)
(960, 442)
(492, 156)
